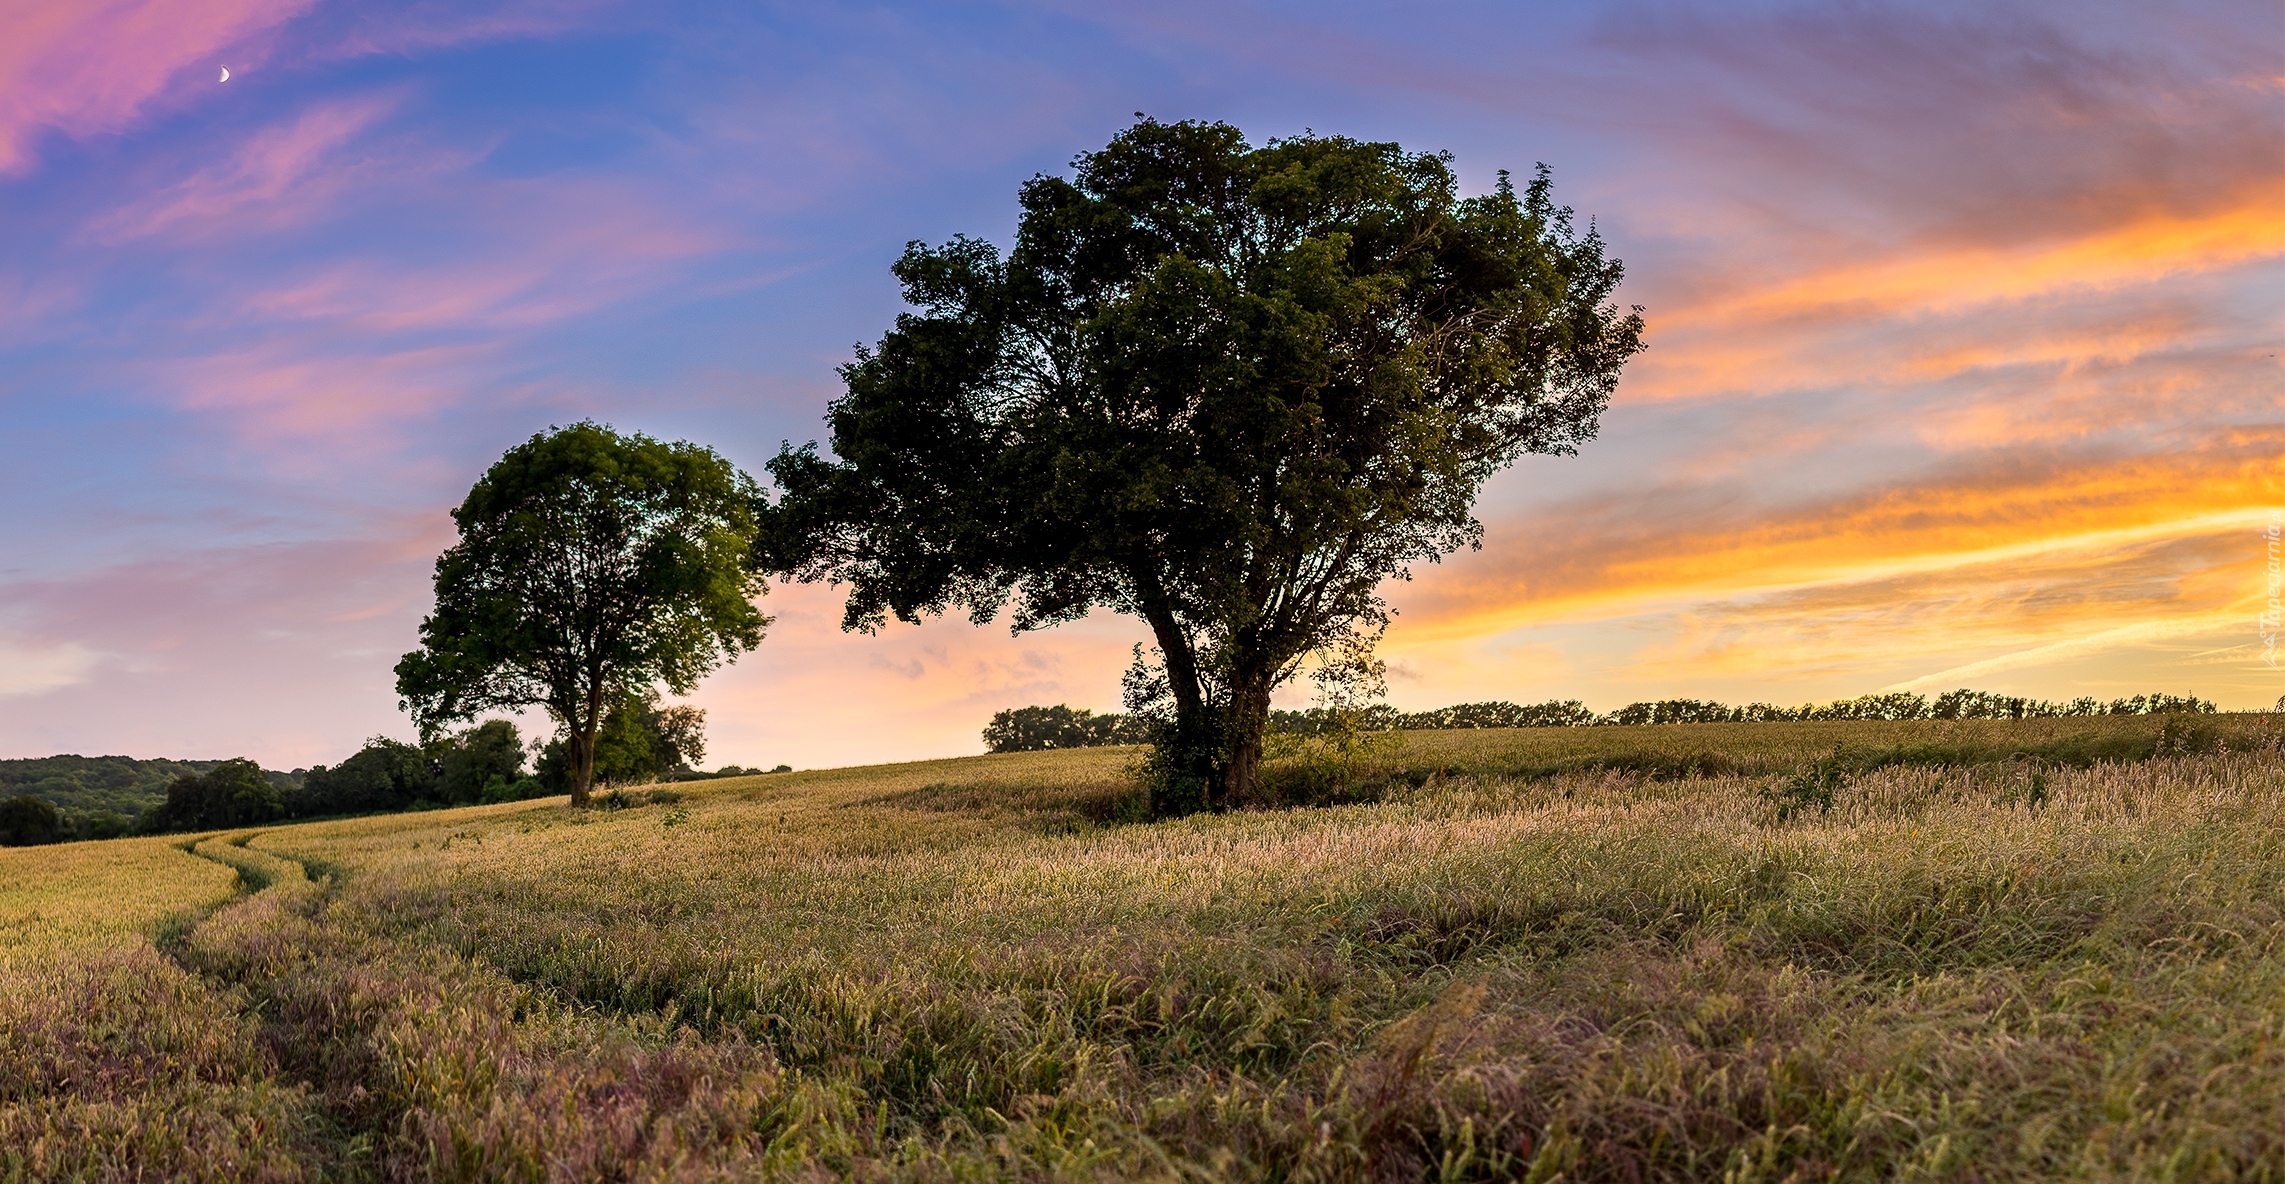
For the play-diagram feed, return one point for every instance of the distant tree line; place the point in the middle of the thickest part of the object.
(1036, 729)
(1033, 729)
(639, 742)
(484, 763)
(123, 786)
(1960, 704)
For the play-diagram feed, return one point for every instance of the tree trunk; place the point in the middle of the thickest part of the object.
(1189, 753)
(1249, 717)
(1181, 664)
(581, 742)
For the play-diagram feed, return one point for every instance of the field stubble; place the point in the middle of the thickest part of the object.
(2029, 951)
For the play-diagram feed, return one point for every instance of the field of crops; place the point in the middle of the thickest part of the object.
(1985, 950)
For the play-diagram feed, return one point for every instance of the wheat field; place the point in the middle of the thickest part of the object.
(2027, 950)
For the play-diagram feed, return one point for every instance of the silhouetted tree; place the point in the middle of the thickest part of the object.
(1226, 389)
(590, 566)
(27, 821)
(1034, 729)
(233, 793)
(487, 757)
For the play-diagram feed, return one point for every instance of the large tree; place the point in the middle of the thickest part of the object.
(590, 566)
(1227, 389)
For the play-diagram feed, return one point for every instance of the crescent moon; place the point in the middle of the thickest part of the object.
(225, 75)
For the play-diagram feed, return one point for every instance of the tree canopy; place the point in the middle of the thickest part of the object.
(26, 821)
(591, 565)
(232, 793)
(1035, 729)
(1226, 389)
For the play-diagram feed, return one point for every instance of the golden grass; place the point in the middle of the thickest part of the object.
(1536, 954)
(79, 892)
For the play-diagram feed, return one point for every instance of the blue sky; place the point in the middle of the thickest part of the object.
(1963, 324)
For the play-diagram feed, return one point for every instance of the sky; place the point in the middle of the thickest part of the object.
(1964, 324)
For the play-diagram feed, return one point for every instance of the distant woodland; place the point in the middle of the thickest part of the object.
(63, 798)
(121, 785)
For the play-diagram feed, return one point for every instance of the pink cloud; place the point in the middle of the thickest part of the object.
(428, 25)
(283, 652)
(815, 696)
(545, 254)
(86, 69)
(352, 350)
(284, 396)
(283, 175)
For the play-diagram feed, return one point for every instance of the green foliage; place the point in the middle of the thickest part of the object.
(1224, 388)
(484, 763)
(621, 799)
(26, 821)
(1555, 713)
(478, 760)
(233, 793)
(522, 789)
(639, 742)
(386, 774)
(591, 566)
(1960, 704)
(1812, 788)
(1036, 729)
(92, 794)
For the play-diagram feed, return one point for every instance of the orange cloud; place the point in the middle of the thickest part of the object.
(2105, 617)
(1972, 618)
(1631, 553)
(1928, 311)
(1925, 280)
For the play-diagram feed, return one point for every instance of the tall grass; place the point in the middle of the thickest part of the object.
(1987, 952)
(54, 897)
(115, 1063)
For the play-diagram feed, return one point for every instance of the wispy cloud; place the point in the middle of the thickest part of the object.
(31, 669)
(283, 175)
(1621, 552)
(1962, 323)
(83, 69)
(2075, 647)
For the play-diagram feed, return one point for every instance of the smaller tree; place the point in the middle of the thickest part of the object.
(26, 821)
(384, 775)
(1034, 729)
(480, 758)
(233, 793)
(638, 742)
(590, 566)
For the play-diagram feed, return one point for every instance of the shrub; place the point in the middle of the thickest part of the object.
(523, 789)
